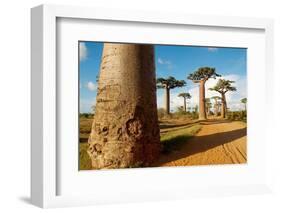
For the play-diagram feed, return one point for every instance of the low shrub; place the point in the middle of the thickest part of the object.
(237, 115)
(86, 115)
(174, 139)
(161, 113)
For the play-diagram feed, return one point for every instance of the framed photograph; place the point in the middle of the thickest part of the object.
(131, 106)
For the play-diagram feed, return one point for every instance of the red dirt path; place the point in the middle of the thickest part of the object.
(218, 142)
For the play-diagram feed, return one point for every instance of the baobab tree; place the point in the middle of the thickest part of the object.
(208, 105)
(201, 76)
(185, 96)
(125, 131)
(219, 107)
(222, 87)
(216, 104)
(168, 84)
(195, 109)
(244, 101)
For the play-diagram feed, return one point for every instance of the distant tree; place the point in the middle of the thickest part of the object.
(185, 97)
(201, 76)
(194, 113)
(168, 84)
(93, 109)
(161, 113)
(222, 87)
(208, 105)
(180, 110)
(244, 101)
(216, 104)
(195, 108)
(219, 107)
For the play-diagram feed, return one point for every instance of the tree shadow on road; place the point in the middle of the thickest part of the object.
(198, 144)
(215, 121)
(165, 125)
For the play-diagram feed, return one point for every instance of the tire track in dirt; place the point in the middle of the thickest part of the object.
(218, 142)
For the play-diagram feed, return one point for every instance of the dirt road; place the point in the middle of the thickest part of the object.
(218, 142)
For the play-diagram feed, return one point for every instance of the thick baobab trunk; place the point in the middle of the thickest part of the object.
(202, 107)
(167, 100)
(223, 106)
(184, 104)
(125, 131)
(219, 108)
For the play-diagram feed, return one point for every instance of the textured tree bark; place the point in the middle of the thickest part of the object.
(202, 107)
(223, 106)
(167, 100)
(125, 131)
(184, 104)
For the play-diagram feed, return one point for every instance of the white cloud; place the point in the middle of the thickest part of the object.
(165, 62)
(83, 51)
(212, 49)
(162, 61)
(91, 86)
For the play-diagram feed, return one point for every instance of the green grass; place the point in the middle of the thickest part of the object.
(84, 159)
(174, 139)
(85, 129)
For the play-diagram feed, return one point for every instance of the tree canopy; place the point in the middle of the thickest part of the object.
(208, 102)
(203, 73)
(185, 95)
(216, 97)
(170, 83)
(244, 100)
(223, 86)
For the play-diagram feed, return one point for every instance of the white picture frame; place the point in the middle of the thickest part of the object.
(44, 150)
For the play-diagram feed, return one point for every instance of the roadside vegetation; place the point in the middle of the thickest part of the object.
(175, 130)
(173, 140)
(84, 159)
(85, 128)
(177, 126)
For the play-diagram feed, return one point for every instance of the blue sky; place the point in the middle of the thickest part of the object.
(177, 61)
